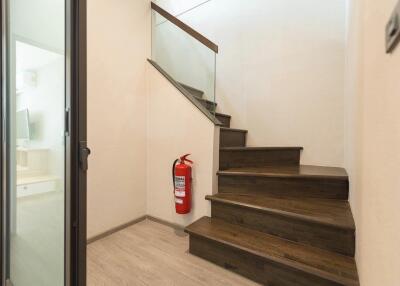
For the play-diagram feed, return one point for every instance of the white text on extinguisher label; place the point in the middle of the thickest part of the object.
(179, 193)
(178, 201)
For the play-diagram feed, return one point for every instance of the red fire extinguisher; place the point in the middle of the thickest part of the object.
(182, 179)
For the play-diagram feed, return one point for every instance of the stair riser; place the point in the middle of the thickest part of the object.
(226, 121)
(311, 233)
(258, 269)
(258, 158)
(232, 138)
(293, 187)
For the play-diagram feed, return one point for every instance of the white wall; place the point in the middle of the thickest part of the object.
(372, 157)
(118, 46)
(46, 105)
(40, 22)
(176, 127)
(280, 70)
(176, 7)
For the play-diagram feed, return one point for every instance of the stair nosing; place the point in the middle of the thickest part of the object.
(234, 130)
(287, 262)
(229, 172)
(223, 115)
(259, 148)
(293, 215)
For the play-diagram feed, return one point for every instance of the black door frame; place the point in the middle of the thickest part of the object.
(76, 143)
(77, 29)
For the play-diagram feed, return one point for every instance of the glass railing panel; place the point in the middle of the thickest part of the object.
(187, 60)
(180, 7)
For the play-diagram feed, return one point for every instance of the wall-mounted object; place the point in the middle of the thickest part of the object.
(393, 30)
(26, 79)
(29, 78)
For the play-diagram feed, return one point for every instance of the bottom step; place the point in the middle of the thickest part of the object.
(268, 259)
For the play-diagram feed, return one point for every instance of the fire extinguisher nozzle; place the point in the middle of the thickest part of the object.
(184, 159)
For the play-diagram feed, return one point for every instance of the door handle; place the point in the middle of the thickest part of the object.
(84, 153)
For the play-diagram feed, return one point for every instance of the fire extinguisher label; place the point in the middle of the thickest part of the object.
(179, 182)
(178, 201)
(180, 194)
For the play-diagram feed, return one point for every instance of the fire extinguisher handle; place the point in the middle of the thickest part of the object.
(173, 173)
(184, 158)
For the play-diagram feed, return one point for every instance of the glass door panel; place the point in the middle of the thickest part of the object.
(35, 139)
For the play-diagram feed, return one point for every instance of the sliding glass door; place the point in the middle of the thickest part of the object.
(35, 108)
(43, 177)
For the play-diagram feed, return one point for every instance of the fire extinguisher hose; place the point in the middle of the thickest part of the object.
(173, 173)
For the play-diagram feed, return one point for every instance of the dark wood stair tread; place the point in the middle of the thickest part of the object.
(335, 213)
(225, 119)
(331, 266)
(258, 148)
(302, 171)
(222, 115)
(233, 130)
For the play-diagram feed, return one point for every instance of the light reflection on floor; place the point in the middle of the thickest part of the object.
(37, 248)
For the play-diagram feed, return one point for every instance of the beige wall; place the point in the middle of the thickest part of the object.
(280, 70)
(176, 127)
(373, 138)
(118, 45)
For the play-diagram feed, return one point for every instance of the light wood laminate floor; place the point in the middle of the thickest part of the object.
(149, 253)
(37, 245)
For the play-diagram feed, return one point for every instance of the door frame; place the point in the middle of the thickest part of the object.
(76, 142)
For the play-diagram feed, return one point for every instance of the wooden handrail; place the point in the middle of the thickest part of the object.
(185, 27)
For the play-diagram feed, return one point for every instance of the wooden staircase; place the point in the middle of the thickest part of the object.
(273, 220)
